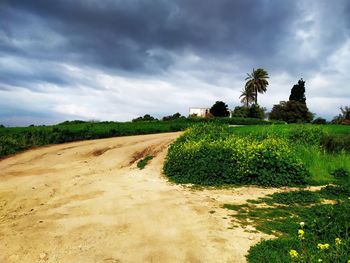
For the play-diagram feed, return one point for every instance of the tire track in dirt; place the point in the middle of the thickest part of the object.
(87, 202)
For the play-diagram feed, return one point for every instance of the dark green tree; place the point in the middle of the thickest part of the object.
(173, 117)
(291, 112)
(146, 117)
(319, 120)
(257, 82)
(257, 112)
(295, 110)
(219, 109)
(240, 111)
(298, 92)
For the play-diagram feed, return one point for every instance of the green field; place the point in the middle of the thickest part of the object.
(317, 159)
(272, 155)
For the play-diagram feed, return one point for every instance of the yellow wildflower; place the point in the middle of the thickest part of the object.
(323, 246)
(293, 253)
(301, 234)
(302, 224)
(337, 241)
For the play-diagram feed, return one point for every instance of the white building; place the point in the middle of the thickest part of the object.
(199, 112)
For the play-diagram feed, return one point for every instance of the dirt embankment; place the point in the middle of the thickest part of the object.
(87, 202)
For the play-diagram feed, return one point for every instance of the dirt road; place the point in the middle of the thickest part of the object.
(88, 202)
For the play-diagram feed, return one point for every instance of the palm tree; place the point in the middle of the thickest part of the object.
(257, 82)
(247, 96)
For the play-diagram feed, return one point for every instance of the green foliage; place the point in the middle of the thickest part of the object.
(324, 224)
(317, 161)
(335, 192)
(272, 251)
(319, 120)
(295, 197)
(257, 82)
(247, 96)
(336, 143)
(287, 213)
(255, 111)
(209, 155)
(72, 122)
(340, 173)
(291, 112)
(146, 117)
(219, 109)
(240, 111)
(142, 163)
(298, 92)
(307, 135)
(172, 117)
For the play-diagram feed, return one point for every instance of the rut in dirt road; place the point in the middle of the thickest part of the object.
(87, 202)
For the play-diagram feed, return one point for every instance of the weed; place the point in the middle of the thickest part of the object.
(142, 163)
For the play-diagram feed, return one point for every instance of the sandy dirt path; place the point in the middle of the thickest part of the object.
(88, 202)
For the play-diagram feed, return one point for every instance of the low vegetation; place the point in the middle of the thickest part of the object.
(212, 155)
(273, 155)
(143, 162)
(307, 230)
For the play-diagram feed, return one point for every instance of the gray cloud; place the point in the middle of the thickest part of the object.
(119, 49)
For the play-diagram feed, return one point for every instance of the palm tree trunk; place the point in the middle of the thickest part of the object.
(256, 97)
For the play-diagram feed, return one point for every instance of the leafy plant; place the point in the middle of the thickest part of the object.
(143, 162)
(210, 155)
(335, 143)
(340, 173)
(302, 197)
(307, 135)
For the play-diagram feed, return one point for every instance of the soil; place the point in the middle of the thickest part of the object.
(88, 202)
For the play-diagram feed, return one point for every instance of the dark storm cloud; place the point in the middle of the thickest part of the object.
(141, 35)
(97, 59)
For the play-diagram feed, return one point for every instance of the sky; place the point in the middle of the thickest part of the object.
(120, 59)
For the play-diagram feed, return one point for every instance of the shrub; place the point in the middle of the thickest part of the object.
(307, 135)
(291, 112)
(295, 197)
(240, 111)
(340, 173)
(146, 117)
(220, 109)
(335, 192)
(255, 111)
(319, 120)
(142, 163)
(336, 143)
(210, 155)
(173, 117)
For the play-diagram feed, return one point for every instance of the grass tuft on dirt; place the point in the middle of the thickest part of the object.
(142, 163)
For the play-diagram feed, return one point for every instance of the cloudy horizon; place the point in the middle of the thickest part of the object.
(117, 60)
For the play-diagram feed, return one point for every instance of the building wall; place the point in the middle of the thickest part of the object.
(200, 112)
